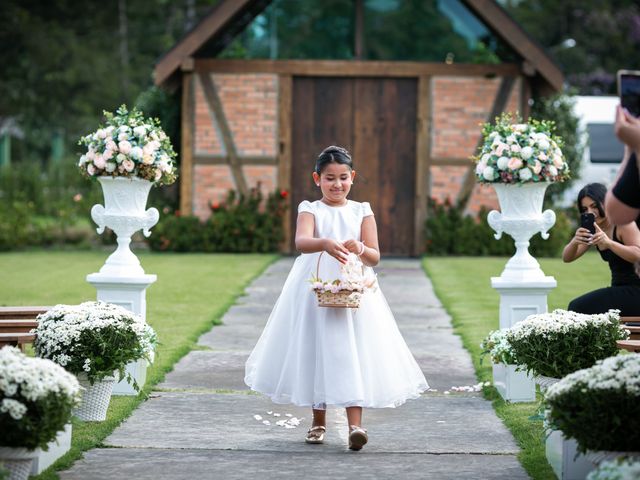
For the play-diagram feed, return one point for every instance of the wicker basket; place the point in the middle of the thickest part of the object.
(340, 299)
(17, 461)
(95, 399)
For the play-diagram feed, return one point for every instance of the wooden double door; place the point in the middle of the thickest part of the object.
(375, 119)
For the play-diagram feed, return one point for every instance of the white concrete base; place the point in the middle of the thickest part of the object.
(562, 455)
(513, 386)
(131, 293)
(57, 448)
(138, 370)
(518, 300)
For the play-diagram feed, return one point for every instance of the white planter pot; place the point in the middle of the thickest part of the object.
(124, 212)
(512, 385)
(599, 456)
(95, 399)
(138, 370)
(545, 382)
(521, 217)
(18, 461)
(563, 456)
(57, 448)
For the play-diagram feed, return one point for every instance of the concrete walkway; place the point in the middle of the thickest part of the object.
(200, 423)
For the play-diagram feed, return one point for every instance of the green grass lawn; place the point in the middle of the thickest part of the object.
(463, 285)
(191, 294)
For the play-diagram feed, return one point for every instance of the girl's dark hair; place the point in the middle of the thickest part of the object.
(333, 154)
(596, 192)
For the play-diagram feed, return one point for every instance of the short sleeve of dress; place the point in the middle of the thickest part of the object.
(305, 206)
(366, 209)
(627, 190)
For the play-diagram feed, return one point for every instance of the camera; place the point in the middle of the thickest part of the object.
(629, 91)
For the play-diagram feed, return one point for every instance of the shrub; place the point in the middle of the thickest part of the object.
(241, 224)
(599, 407)
(36, 399)
(94, 338)
(449, 232)
(557, 343)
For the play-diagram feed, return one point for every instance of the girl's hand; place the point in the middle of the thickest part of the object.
(600, 239)
(354, 246)
(336, 250)
(583, 236)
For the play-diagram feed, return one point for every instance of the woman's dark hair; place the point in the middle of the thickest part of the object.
(596, 192)
(333, 154)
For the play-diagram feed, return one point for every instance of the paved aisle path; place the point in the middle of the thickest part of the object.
(200, 423)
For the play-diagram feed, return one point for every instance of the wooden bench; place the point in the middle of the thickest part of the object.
(633, 325)
(16, 324)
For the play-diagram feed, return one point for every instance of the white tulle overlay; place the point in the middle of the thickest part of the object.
(309, 355)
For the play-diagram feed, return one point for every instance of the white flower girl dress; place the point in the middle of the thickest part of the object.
(310, 355)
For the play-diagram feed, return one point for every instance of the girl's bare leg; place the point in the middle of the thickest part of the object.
(319, 418)
(354, 416)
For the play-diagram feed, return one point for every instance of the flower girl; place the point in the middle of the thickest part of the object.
(316, 356)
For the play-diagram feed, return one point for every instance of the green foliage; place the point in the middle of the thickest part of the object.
(241, 224)
(448, 231)
(599, 417)
(559, 110)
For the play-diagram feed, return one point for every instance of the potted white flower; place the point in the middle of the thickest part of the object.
(520, 160)
(94, 340)
(127, 156)
(599, 407)
(36, 400)
(620, 469)
(552, 345)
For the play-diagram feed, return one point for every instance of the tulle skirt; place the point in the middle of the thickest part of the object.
(309, 355)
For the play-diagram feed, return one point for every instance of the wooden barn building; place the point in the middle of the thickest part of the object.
(403, 84)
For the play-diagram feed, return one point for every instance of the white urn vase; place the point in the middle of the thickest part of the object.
(521, 217)
(125, 200)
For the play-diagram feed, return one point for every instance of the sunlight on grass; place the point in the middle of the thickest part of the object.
(463, 285)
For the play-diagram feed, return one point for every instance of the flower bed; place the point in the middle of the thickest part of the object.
(94, 338)
(129, 146)
(599, 406)
(520, 153)
(36, 399)
(557, 343)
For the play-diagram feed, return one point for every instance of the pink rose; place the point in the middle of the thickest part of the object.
(91, 170)
(99, 162)
(125, 147)
(542, 156)
(537, 167)
(128, 165)
(107, 154)
(514, 163)
(501, 148)
(557, 161)
(111, 145)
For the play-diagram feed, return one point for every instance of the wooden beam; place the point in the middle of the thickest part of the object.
(220, 16)
(355, 68)
(215, 104)
(202, 159)
(285, 109)
(497, 19)
(499, 104)
(423, 161)
(187, 128)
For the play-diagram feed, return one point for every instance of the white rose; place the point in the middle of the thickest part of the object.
(158, 175)
(485, 158)
(101, 133)
(140, 131)
(511, 139)
(147, 159)
(83, 160)
(121, 158)
(480, 167)
(543, 144)
(525, 174)
(526, 153)
(553, 171)
(136, 153)
(110, 167)
(502, 163)
(488, 173)
(122, 136)
(124, 129)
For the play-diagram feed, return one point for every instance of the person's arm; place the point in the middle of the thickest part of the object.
(577, 246)
(307, 243)
(368, 249)
(629, 249)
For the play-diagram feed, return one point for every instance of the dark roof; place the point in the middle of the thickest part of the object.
(229, 17)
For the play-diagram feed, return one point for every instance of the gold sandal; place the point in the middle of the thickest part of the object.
(358, 438)
(315, 434)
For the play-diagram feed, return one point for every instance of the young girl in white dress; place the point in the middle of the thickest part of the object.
(316, 356)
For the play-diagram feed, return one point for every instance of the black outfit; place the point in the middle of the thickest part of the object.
(627, 189)
(623, 294)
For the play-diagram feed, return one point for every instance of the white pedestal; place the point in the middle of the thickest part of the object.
(57, 448)
(518, 300)
(130, 293)
(562, 455)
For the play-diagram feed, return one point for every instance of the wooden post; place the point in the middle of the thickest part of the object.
(423, 161)
(285, 93)
(186, 154)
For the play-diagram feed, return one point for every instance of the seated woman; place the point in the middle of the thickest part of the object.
(618, 246)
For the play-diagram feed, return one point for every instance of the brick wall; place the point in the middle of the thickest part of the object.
(249, 102)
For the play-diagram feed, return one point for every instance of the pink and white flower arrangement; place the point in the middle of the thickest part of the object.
(520, 153)
(353, 277)
(129, 145)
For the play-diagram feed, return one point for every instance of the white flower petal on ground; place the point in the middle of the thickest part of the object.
(257, 417)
